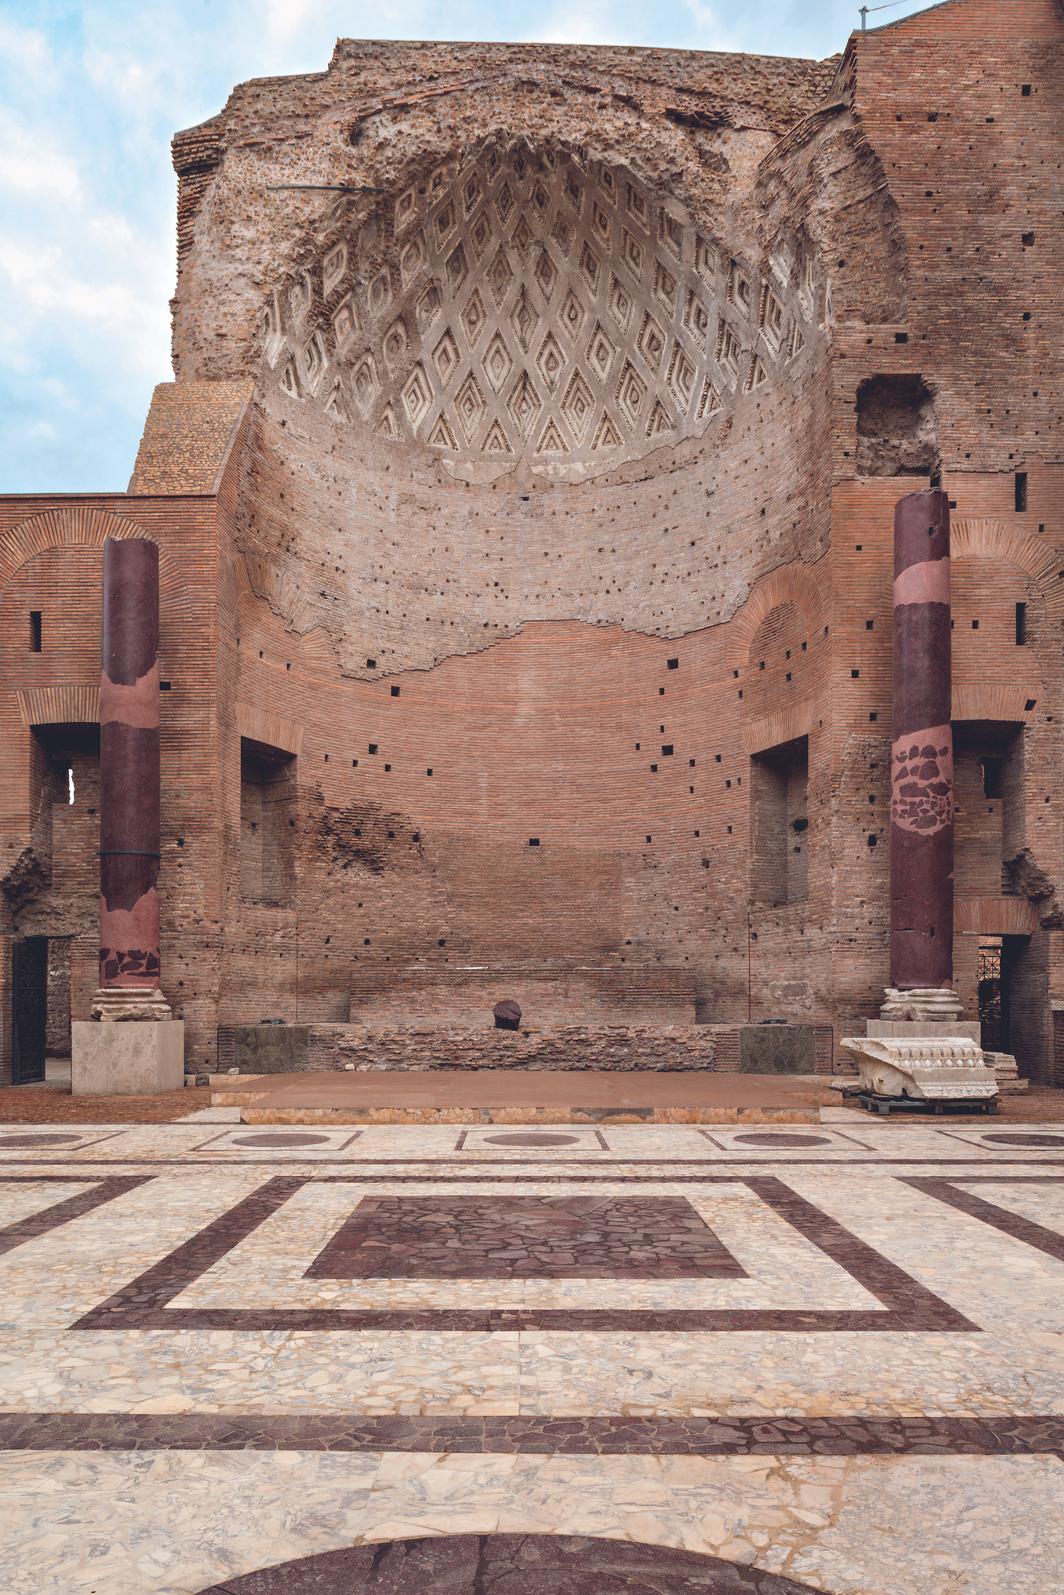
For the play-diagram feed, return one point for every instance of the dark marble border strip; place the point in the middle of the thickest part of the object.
(1000, 1218)
(49, 1218)
(995, 1435)
(144, 1303)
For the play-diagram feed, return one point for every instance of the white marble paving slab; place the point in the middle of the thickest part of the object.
(174, 1522)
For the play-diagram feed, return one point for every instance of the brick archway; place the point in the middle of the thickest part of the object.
(983, 537)
(790, 584)
(82, 526)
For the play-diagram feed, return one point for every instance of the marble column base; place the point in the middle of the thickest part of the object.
(127, 1060)
(928, 1003)
(114, 1003)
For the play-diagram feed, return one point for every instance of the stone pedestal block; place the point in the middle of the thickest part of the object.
(134, 1059)
(777, 1049)
(263, 1049)
(907, 1029)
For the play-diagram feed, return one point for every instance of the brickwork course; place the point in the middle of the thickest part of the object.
(525, 502)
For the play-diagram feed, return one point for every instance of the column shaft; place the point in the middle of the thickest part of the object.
(921, 809)
(129, 765)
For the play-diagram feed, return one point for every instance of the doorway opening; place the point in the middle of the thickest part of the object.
(1013, 984)
(779, 816)
(993, 1010)
(40, 1007)
(29, 1009)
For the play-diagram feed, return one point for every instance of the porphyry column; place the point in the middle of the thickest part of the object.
(921, 800)
(129, 784)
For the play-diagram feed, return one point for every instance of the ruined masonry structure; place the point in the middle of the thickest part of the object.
(524, 503)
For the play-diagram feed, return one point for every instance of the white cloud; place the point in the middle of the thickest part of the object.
(710, 33)
(590, 24)
(78, 274)
(41, 432)
(24, 51)
(286, 18)
(29, 167)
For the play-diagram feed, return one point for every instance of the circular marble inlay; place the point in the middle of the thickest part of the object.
(1003, 1138)
(774, 1138)
(531, 1138)
(37, 1140)
(463, 1564)
(280, 1138)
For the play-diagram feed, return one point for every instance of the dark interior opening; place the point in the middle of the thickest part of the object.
(779, 798)
(896, 433)
(267, 813)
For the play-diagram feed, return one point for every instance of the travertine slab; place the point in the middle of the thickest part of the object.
(132, 1059)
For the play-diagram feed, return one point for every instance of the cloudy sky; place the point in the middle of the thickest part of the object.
(90, 94)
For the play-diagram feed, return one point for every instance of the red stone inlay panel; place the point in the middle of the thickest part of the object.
(510, 1564)
(525, 1237)
(531, 1138)
(781, 1138)
(40, 1140)
(280, 1138)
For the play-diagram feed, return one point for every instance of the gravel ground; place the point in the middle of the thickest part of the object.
(1037, 1105)
(22, 1104)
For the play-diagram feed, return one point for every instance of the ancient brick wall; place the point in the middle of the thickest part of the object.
(50, 564)
(560, 513)
(590, 787)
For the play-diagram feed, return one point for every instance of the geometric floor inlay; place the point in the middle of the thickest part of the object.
(151, 1301)
(574, 1361)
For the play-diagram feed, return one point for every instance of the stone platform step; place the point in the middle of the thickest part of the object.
(504, 1096)
(1006, 1072)
(258, 1049)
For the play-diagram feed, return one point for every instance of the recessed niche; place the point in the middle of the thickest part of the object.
(895, 426)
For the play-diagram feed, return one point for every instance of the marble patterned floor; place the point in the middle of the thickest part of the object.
(578, 1359)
